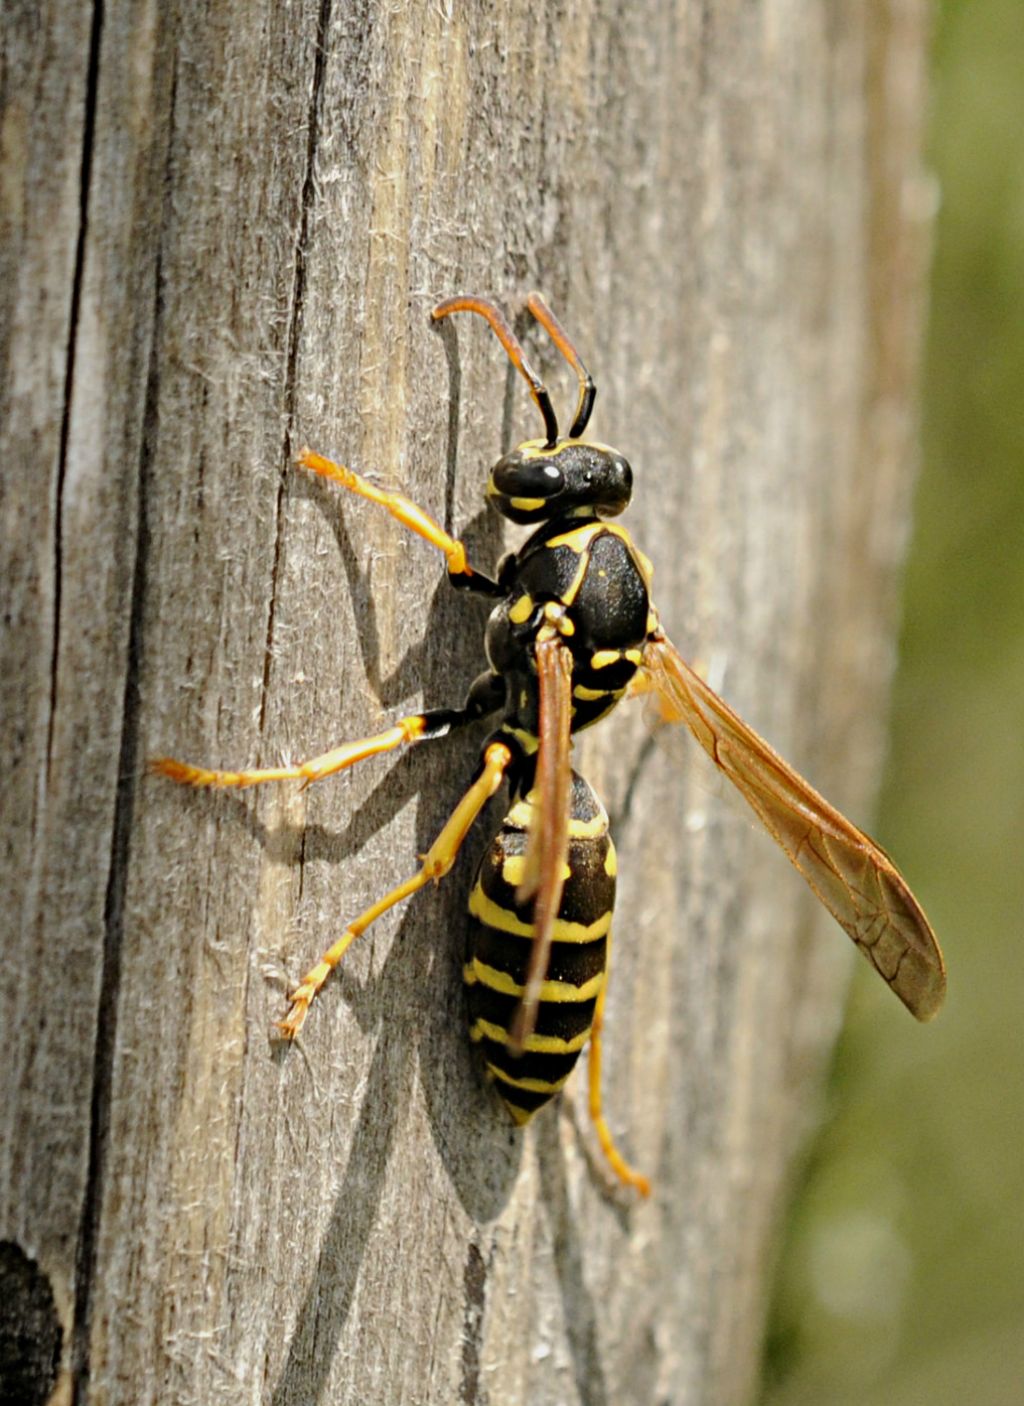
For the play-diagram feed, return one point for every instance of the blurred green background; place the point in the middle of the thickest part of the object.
(902, 1277)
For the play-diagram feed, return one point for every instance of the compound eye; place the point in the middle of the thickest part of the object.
(528, 478)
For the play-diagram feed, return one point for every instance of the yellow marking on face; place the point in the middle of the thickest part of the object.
(540, 449)
(527, 505)
(535, 1086)
(487, 911)
(535, 1044)
(560, 992)
(521, 610)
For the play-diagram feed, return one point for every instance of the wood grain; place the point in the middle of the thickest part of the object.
(223, 230)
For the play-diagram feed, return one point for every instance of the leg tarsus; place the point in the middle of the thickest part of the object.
(436, 863)
(486, 696)
(405, 511)
(411, 729)
(614, 1157)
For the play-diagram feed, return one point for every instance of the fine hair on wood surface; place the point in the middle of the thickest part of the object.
(224, 228)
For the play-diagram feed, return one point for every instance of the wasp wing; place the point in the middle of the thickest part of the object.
(547, 845)
(848, 872)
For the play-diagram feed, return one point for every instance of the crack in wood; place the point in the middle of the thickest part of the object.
(87, 1248)
(298, 301)
(85, 182)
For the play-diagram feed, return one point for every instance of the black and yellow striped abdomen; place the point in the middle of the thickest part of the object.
(500, 938)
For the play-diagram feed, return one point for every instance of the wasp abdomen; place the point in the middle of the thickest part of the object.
(500, 938)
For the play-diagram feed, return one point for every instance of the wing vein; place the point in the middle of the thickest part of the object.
(846, 870)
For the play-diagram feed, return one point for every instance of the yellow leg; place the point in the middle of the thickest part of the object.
(400, 507)
(436, 863)
(618, 1163)
(409, 729)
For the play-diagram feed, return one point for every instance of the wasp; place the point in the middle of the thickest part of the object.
(573, 630)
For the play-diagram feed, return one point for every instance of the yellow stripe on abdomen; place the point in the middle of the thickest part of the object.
(557, 991)
(535, 1044)
(501, 943)
(489, 912)
(535, 1086)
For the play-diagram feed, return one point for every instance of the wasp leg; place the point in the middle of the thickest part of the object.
(485, 696)
(617, 1162)
(409, 515)
(436, 863)
(411, 729)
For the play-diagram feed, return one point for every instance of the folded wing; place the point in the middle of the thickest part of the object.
(848, 872)
(547, 845)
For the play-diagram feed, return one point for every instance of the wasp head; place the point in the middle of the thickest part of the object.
(538, 481)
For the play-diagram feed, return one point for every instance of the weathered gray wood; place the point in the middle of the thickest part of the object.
(224, 227)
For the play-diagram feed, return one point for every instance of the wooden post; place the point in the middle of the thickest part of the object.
(224, 228)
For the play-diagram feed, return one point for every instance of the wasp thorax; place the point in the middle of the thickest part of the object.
(537, 481)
